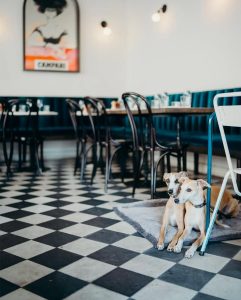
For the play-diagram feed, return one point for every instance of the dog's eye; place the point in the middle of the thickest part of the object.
(176, 181)
(167, 181)
(189, 190)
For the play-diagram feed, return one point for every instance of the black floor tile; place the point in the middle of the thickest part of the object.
(57, 224)
(9, 240)
(21, 205)
(113, 255)
(13, 226)
(57, 213)
(201, 296)
(94, 202)
(233, 269)
(59, 196)
(101, 222)
(174, 257)
(106, 236)
(25, 197)
(58, 203)
(56, 239)
(90, 194)
(97, 211)
(17, 214)
(123, 281)
(8, 260)
(187, 277)
(6, 287)
(55, 286)
(222, 249)
(56, 258)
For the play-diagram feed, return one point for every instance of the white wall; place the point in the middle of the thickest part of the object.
(196, 46)
(102, 58)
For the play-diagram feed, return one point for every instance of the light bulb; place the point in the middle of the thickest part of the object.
(156, 17)
(107, 31)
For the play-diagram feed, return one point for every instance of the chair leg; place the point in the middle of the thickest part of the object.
(196, 163)
(184, 160)
(136, 168)
(107, 169)
(95, 158)
(168, 157)
(238, 175)
(19, 155)
(83, 163)
(214, 215)
(77, 158)
(179, 162)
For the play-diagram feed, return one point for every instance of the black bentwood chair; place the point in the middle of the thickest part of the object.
(144, 139)
(22, 131)
(112, 146)
(92, 134)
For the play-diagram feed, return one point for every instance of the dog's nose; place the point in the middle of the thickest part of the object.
(170, 192)
(176, 200)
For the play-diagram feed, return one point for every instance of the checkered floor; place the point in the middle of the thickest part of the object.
(60, 239)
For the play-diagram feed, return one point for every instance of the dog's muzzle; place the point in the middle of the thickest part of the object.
(176, 200)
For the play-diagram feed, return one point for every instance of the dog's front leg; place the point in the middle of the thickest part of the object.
(180, 228)
(191, 251)
(160, 244)
(175, 239)
(186, 232)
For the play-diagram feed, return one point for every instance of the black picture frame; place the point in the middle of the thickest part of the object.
(51, 36)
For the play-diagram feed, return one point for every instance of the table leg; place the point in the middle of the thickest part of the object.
(209, 176)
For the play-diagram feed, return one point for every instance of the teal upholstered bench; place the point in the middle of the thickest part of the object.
(195, 128)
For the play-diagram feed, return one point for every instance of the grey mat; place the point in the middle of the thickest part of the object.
(146, 218)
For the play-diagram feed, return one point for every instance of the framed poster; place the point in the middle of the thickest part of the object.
(51, 35)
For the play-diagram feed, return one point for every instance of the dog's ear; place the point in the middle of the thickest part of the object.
(203, 184)
(166, 176)
(182, 174)
(181, 179)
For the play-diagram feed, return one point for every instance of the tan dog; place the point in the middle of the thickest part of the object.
(193, 195)
(174, 213)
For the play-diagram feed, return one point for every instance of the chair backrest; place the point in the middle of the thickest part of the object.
(84, 118)
(140, 118)
(228, 116)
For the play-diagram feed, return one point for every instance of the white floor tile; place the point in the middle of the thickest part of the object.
(134, 243)
(158, 289)
(28, 249)
(21, 294)
(24, 273)
(93, 292)
(83, 246)
(148, 265)
(33, 232)
(87, 269)
(208, 262)
(224, 287)
(38, 218)
(80, 230)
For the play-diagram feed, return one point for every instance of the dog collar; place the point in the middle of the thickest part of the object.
(200, 205)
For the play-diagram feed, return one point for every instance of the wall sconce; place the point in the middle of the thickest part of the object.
(106, 29)
(156, 17)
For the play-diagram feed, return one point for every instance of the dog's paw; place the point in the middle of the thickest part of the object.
(170, 248)
(177, 248)
(160, 246)
(189, 253)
